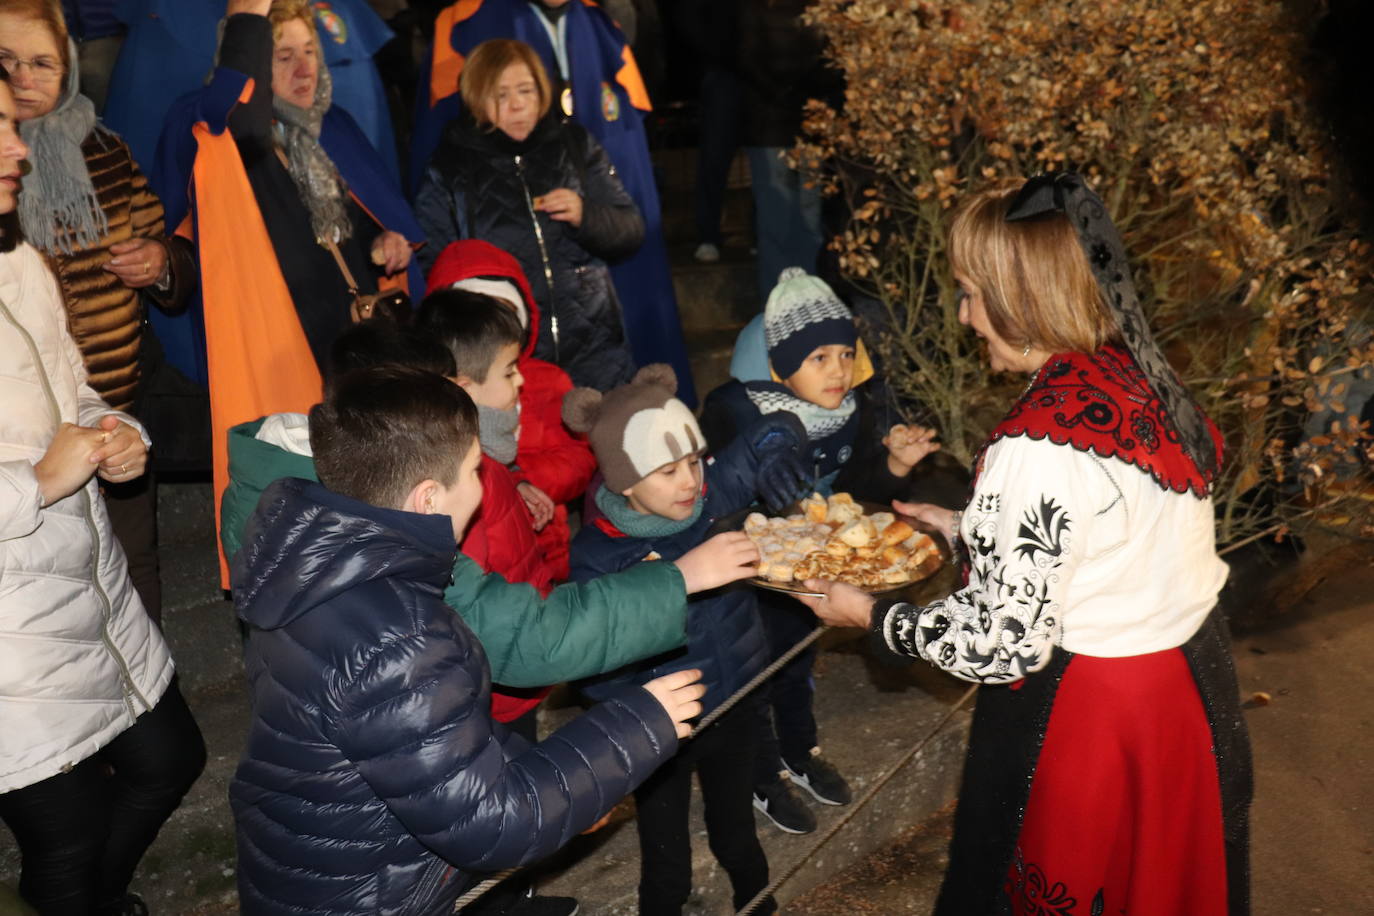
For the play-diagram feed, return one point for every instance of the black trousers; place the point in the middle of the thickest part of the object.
(789, 723)
(721, 103)
(132, 508)
(82, 833)
(722, 757)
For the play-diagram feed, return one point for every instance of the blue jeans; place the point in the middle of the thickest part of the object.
(787, 216)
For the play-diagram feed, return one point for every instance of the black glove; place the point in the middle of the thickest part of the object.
(783, 477)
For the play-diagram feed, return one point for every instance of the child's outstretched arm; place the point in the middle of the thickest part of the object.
(413, 721)
(590, 627)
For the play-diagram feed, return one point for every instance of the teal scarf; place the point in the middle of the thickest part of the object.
(638, 524)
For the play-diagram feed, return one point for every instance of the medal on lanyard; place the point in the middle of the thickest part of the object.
(565, 101)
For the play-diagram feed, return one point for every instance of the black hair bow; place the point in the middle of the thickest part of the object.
(1043, 195)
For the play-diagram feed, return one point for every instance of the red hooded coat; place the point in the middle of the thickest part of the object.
(501, 538)
(548, 455)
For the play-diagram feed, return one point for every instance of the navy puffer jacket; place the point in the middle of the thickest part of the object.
(372, 766)
(481, 184)
(725, 638)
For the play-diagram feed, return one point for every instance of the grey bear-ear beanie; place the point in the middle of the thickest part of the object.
(636, 428)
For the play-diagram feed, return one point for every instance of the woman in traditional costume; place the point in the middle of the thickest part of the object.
(1108, 768)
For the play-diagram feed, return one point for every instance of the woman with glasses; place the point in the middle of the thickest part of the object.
(88, 208)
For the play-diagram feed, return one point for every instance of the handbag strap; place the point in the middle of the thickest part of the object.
(330, 244)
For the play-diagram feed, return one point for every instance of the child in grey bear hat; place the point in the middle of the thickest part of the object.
(661, 498)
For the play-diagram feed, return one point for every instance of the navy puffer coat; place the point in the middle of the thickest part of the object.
(481, 184)
(725, 638)
(372, 766)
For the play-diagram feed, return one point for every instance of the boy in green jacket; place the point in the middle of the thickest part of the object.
(579, 630)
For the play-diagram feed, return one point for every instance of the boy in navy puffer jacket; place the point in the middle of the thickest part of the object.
(373, 777)
(656, 506)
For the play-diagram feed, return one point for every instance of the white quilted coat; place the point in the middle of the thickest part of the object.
(79, 657)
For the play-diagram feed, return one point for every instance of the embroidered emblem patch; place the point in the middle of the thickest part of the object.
(610, 103)
(331, 22)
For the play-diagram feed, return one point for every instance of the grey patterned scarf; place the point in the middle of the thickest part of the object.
(322, 190)
(770, 397)
(59, 210)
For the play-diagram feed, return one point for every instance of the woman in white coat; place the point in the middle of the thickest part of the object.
(97, 746)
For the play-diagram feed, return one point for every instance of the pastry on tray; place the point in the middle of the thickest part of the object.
(836, 539)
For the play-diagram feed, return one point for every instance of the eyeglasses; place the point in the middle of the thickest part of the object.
(41, 69)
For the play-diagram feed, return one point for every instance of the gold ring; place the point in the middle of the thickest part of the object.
(123, 469)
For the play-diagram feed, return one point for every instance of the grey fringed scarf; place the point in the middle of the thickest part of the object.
(322, 190)
(499, 432)
(59, 211)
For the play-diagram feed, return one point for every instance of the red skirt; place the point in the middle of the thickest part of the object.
(1124, 815)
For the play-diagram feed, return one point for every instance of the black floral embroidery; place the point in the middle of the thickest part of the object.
(1004, 625)
(1042, 530)
(1030, 892)
(1101, 255)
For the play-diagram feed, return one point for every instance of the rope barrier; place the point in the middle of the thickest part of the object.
(858, 805)
(734, 698)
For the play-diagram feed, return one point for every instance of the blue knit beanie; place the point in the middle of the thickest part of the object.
(803, 313)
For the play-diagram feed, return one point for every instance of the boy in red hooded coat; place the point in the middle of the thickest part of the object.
(549, 459)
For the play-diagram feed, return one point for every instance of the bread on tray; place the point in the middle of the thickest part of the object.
(834, 539)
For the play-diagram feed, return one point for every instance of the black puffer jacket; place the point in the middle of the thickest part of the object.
(372, 762)
(481, 184)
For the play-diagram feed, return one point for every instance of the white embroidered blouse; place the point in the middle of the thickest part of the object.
(1067, 549)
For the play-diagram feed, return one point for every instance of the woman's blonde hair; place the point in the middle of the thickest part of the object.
(283, 11)
(48, 12)
(1037, 285)
(482, 73)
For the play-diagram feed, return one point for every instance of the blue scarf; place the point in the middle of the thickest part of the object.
(638, 524)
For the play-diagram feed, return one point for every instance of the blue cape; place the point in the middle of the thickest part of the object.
(596, 53)
(170, 47)
(183, 335)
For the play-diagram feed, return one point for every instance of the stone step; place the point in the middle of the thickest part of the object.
(736, 218)
(710, 358)
(714, 296)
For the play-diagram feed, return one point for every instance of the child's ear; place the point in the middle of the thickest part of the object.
(580, 409)
(463, 381)
(660, 374)
(421, 497)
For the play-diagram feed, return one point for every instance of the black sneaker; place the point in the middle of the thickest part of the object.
(819, 777)
(784, 807)
(544, 906)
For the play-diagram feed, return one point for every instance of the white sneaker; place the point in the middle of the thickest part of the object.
(707, 253)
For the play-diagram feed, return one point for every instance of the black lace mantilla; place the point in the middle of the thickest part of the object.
(1104, 404)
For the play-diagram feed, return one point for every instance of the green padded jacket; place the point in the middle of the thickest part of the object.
(579, 630)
